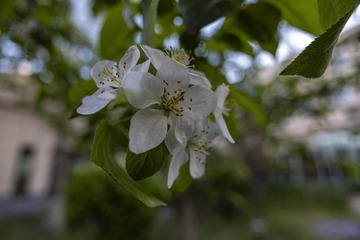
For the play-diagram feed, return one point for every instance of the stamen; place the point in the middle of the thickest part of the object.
(108, 74)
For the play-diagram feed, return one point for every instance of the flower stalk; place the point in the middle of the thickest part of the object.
(150, 14)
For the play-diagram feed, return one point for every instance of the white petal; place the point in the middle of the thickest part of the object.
(142, 89)
(105, 74)
(129, 60)
(184, 129)
(222, 125)
(106, 93)
(175, 75)
(198, 102)
(147, 130)
(178, 159)
(143, 67)
(208, 133)
(170, 140)
(221, 92)
(199, 78)
(156, 56)
(92, 104)
(197, 164)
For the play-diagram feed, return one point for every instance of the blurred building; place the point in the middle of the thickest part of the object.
(326, 122)
(29, 146)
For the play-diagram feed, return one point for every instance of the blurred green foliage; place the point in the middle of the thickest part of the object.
(95, 203)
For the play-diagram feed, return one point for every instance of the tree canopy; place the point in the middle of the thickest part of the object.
(42, 35)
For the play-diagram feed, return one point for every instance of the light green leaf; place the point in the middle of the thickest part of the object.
(199, 13)
(330, 11)
(312, 62)
(250, 104)
(301, 14)
(140, 166)
(102, 156)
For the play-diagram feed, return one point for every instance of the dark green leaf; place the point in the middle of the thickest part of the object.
(189, 40)
(199, 13)
(115, 36)
(230, 38)
(330, 11)
(302, 14)
(140, 166)
(250, 104)
(260, 21)
(100, 5)
(312, 62)
(165, 7)
(102, 156)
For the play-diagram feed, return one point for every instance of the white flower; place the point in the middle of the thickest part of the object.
(167, 98)
(108, 76)
(197, 148)
(221, 93)
(158, 57)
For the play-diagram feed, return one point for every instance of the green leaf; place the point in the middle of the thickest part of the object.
(312, 62)
(226, 40)
(102, 156)
(199, 13)
(254, 22)
(250, 104)
(115, 36)
(301, 14)
(331, 11)
(189, 40)
(260, 22)
(140, 166)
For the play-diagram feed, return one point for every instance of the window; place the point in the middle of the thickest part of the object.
(23, 170)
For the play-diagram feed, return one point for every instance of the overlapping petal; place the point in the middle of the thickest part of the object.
(129, 60)
(199, 78)
(142, 89)
(179, 157)
(174, 75)
(158, 57)
(221, 93)
(92, 104)
(184, 128)
(148, 129)
(198, 102)
(197, 164)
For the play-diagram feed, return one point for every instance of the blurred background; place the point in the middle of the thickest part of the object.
(292, 174)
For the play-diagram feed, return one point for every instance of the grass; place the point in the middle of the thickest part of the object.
(292, 213)
(284, 213)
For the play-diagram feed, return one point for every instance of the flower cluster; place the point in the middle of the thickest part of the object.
(173, 105)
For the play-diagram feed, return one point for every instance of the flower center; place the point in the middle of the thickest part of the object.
(180, 56)
(169, 102)
(109, 77)
(201, 146)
